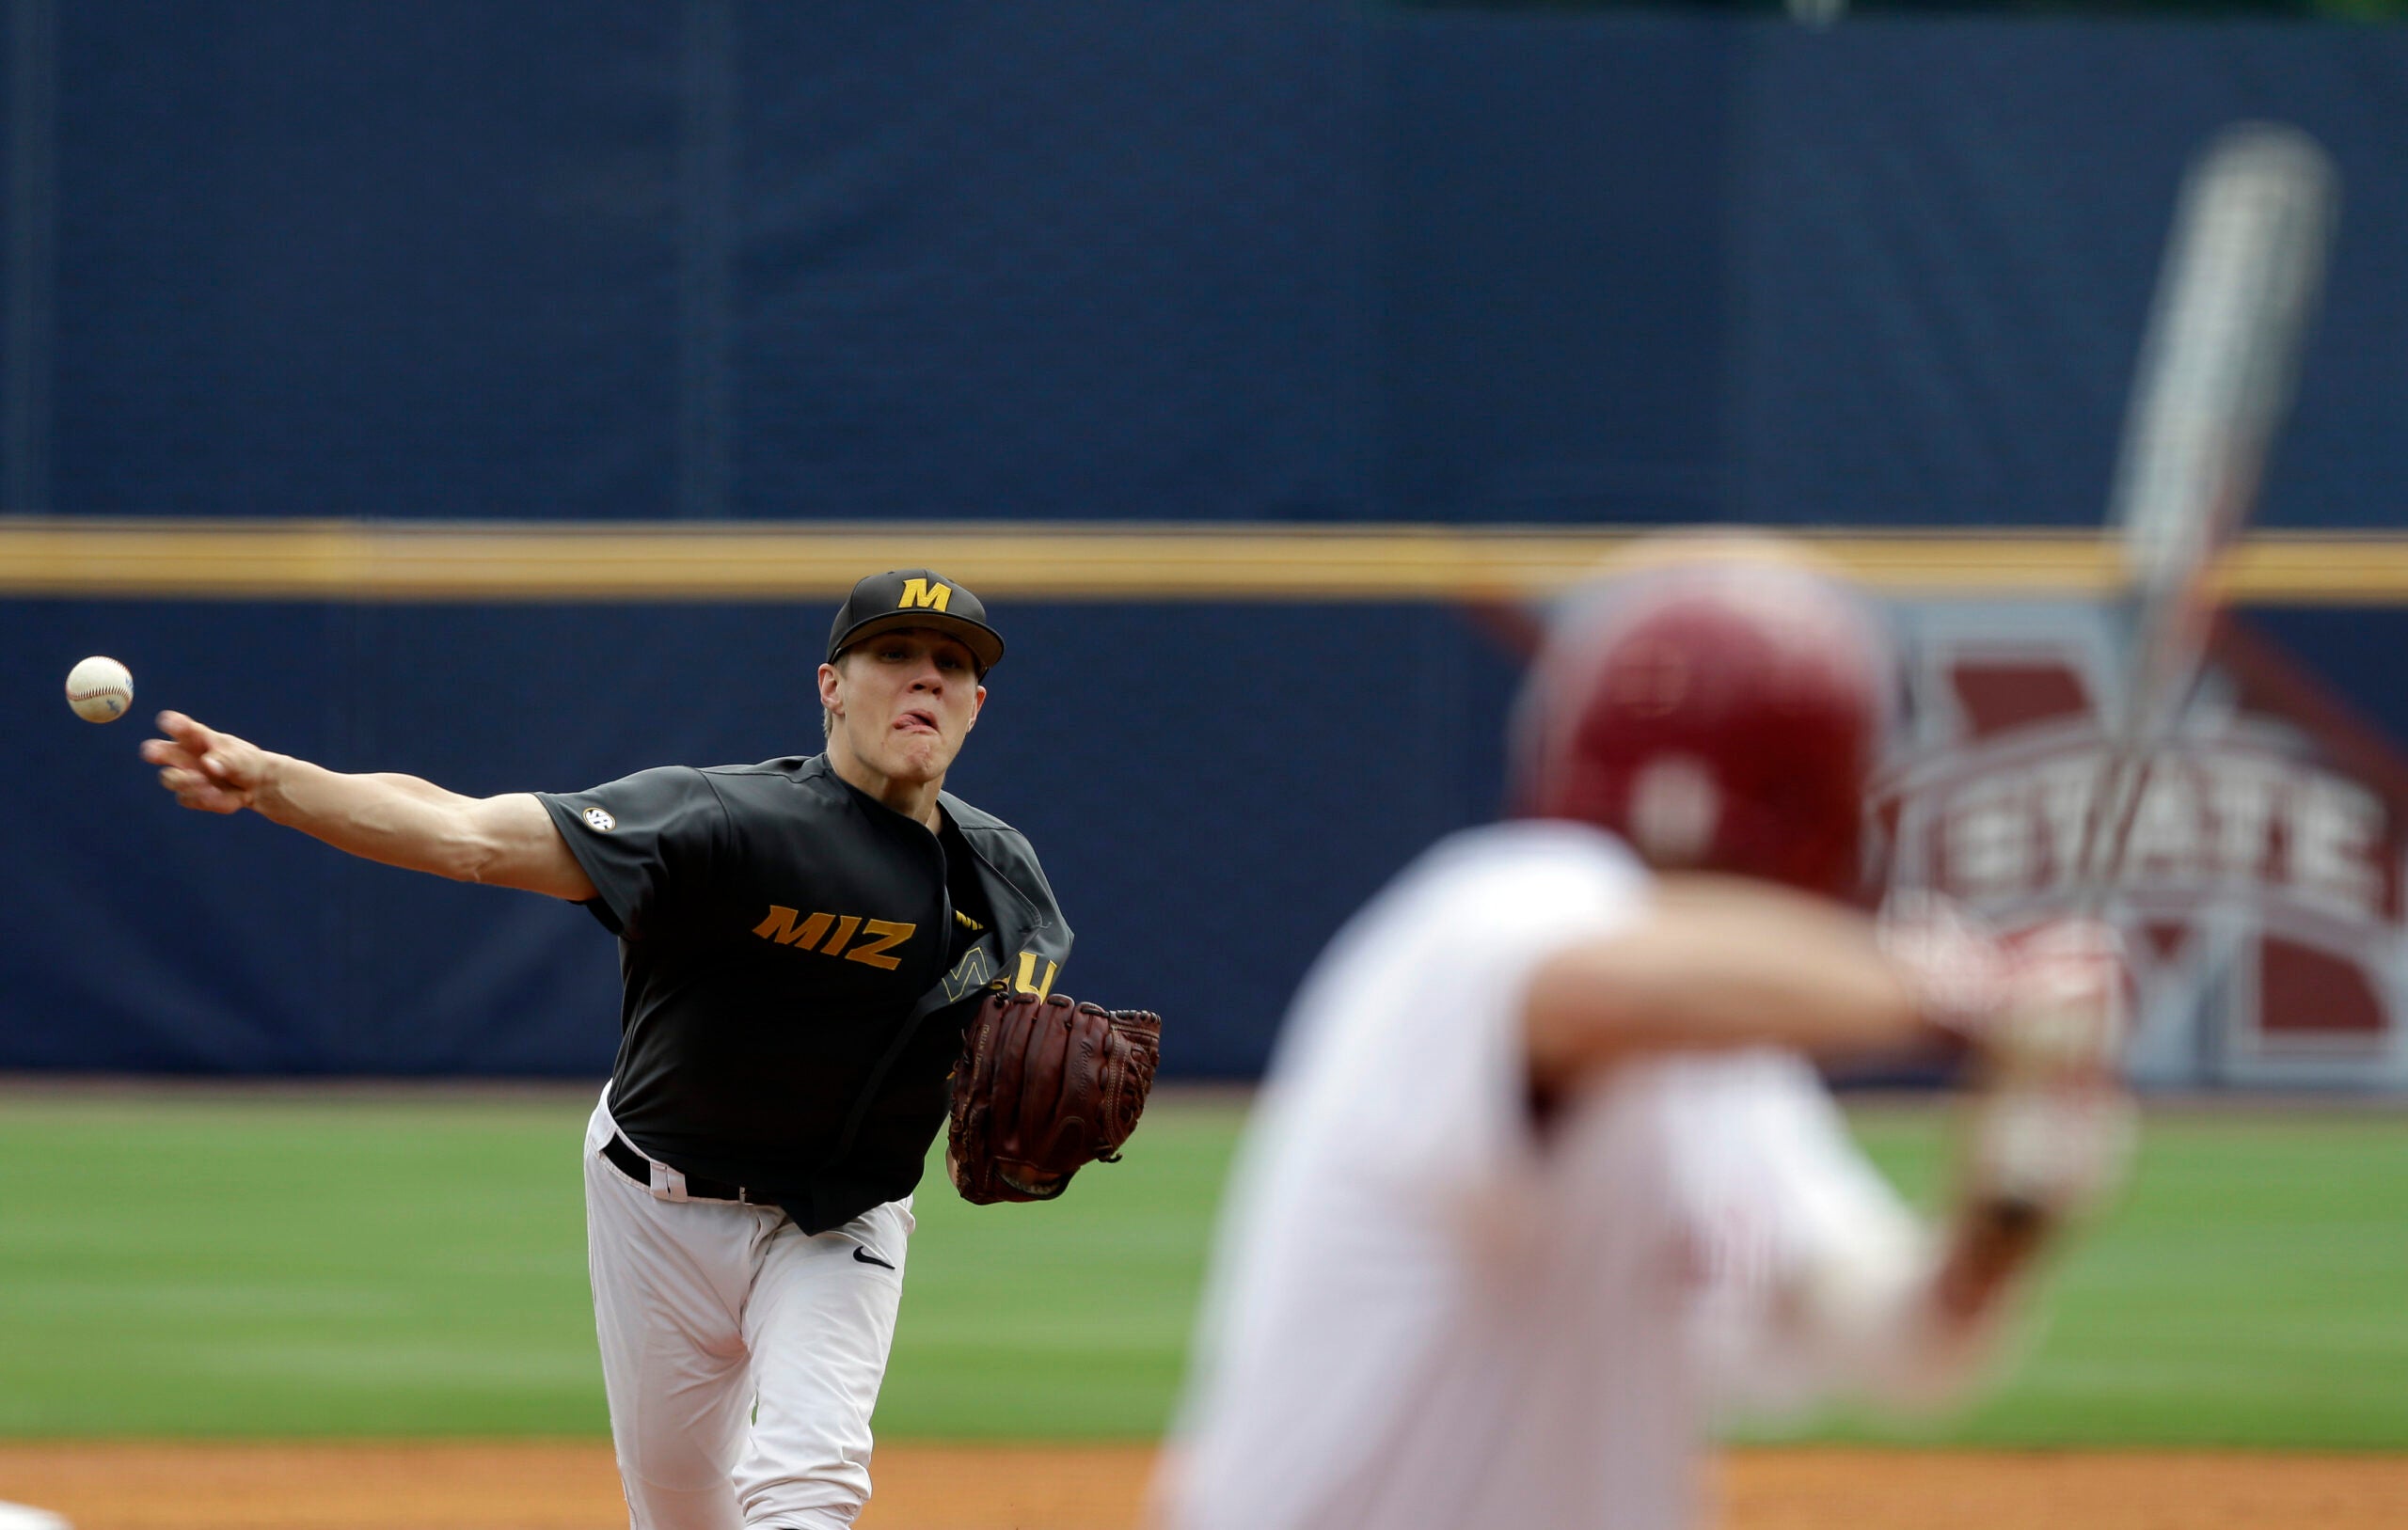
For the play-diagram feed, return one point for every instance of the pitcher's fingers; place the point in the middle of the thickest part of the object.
(191, 734)
(195, 790)
(209, 798)
(163, 752)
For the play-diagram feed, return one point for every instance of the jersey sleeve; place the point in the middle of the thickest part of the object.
(650, 842)
(1818, 1275)
(1408, 1040)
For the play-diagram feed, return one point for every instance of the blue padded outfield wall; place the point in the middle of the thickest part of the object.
(1132, 264)
(1257, 260)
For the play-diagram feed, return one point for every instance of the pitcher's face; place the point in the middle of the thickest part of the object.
(903, 702)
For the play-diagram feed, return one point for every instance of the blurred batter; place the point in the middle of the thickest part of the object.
(1541, 1175)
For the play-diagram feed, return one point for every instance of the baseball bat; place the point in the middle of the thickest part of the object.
(2244, 267)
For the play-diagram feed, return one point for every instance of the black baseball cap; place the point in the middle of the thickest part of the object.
(915, 597)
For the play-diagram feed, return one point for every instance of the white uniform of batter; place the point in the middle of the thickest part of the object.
(1424, 1316)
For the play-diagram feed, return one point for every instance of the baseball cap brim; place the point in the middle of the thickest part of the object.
(986, 645)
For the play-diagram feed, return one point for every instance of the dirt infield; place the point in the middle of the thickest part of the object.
(572, 1487)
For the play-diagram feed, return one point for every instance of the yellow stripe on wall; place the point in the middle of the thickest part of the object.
(505, 562)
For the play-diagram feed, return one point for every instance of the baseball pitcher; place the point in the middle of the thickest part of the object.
(804, 943)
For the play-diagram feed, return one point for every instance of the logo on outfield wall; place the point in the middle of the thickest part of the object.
(2261, 892)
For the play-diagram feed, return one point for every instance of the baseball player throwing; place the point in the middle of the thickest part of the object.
(802, 943)
(1542, 1176)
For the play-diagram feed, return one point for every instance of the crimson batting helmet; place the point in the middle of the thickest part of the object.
(1723, 714)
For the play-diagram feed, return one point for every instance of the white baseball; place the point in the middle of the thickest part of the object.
(100, 689)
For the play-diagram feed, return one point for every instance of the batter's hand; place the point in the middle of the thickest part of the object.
(2067, 1005)
(210, 771)
(2053, 1125)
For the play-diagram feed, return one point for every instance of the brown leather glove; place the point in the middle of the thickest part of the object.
(1044, 1086)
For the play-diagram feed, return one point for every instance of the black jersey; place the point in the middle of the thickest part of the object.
(799, 969)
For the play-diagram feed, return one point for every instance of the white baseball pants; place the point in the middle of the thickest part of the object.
(740, 1357)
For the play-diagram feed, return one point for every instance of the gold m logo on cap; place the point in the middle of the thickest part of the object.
(921, 593)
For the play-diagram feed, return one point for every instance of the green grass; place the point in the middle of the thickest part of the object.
(2250, 1289)
(1067, 1319)
(190, 1264)
(196, 1264)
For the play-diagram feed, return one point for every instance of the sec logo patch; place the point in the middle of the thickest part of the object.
(597, 819)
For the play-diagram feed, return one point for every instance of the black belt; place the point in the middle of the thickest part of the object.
(637, 1167)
